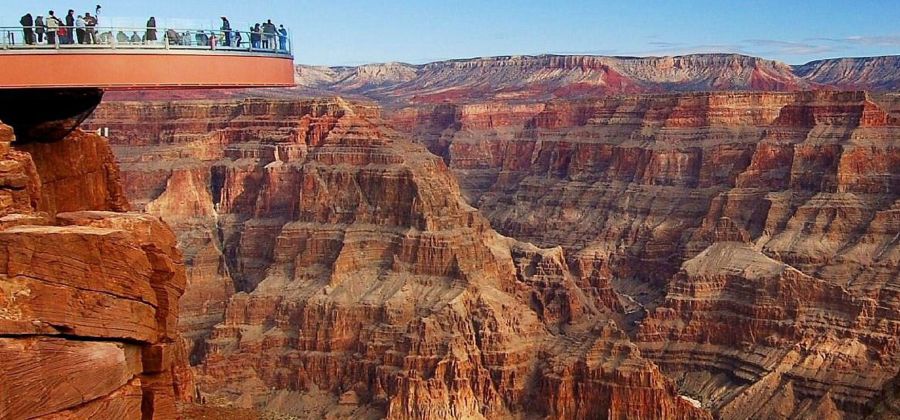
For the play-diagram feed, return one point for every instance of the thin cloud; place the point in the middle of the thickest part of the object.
(866, 40)
(777, 47)
(664, 44)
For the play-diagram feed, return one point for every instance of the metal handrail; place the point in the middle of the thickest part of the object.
(108, 37)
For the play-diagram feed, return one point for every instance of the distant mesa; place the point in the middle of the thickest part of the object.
(544, 77)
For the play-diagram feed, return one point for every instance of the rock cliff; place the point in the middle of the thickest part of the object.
(361, 283)
(746, 243)
(88, 294)
(642, 185)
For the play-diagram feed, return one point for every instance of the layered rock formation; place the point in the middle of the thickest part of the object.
(549, 76)
(641, 184)
(88, 294)
(870, 73)
(363, 284)
(745, 242)
(539, 78)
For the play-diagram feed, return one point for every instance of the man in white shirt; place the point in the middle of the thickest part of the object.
(79, 29)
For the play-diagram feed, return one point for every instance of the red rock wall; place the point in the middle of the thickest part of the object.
(88, 299)
(642, 184)
(364, 284)
(354, 273)
(77, 174)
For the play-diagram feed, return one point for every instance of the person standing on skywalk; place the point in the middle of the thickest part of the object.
(28, 28)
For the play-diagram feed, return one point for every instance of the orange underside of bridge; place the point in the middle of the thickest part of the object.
(124, 71)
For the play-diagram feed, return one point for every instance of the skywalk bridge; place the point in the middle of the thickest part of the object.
(47, 88)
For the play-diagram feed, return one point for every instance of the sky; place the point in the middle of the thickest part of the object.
(354, 32)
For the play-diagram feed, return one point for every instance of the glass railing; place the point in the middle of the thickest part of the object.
(146, 38)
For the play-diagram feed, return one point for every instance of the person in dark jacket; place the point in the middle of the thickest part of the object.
(202, 38)
(39, 29)
(90, 28)
(28, 28)
(173, 37)
(151, 29)
(270, 33)
(255, 36)
(70, 27)
(226, 27)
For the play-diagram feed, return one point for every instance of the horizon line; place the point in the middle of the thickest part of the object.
(616, 56)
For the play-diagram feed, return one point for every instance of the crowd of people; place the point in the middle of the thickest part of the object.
(83, 29)
(71, 29)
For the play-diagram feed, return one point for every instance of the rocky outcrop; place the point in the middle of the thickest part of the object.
(756, 337)
(364, 285)
(77, 174)
(88, 298)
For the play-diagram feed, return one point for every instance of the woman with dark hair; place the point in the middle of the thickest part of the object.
(70, 27)
(28, 28)
(39, 28)
(255, 36)
(151, 29)
(226, 28)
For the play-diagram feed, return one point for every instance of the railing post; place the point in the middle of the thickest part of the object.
(166, 39)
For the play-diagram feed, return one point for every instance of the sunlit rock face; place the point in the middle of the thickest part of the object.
(88, 293)
(642, 185)
(336, 270)
(537, 78)
(743, 242)
(540, 78)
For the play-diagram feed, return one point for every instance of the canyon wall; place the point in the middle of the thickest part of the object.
(746, 243)
(88, 293)
(650, 186)
(360, 283)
